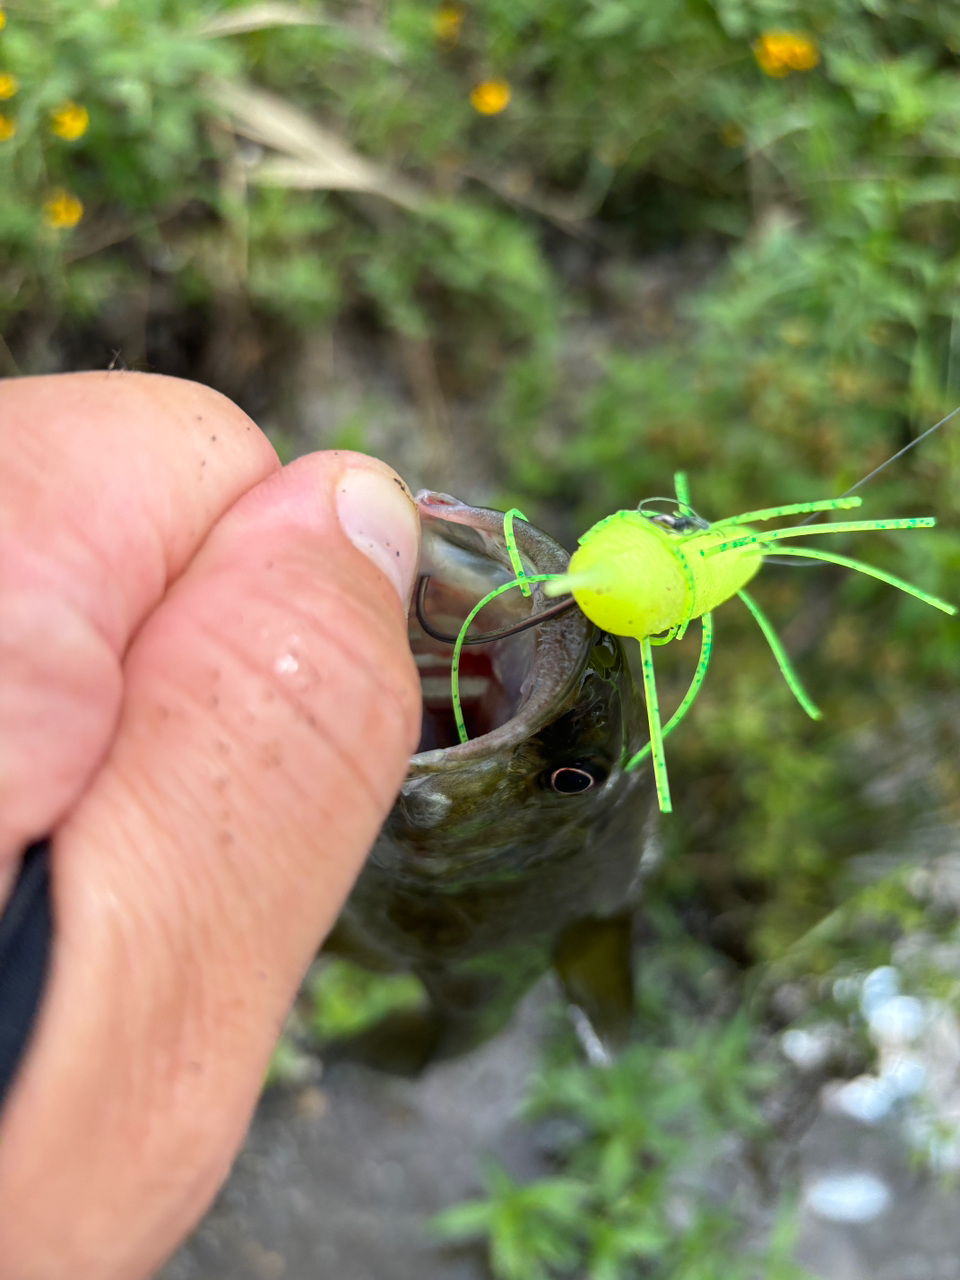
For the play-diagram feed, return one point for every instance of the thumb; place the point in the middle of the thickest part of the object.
(270, 706)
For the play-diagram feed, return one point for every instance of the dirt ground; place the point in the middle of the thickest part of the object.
(339, 1179)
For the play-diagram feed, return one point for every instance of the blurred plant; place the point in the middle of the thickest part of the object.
(756, 199)
(340, 999)
(70, 121)
(62, 209)
(177, 165)
(647, 1152)
(337, 1000)
(822, 338)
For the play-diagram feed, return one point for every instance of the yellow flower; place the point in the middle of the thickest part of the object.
(3, 19)
(780, 52)
(490, 97)
(62, 209)
(8, 84)
(447, 22)
(70, 121)
(8, 128)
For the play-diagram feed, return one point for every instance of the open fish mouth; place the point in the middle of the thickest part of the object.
(509, 686)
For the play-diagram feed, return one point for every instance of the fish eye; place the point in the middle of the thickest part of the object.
(574, 779)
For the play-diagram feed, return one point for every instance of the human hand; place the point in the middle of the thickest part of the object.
(207, 695)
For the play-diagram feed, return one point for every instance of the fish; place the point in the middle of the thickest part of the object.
(524, 848)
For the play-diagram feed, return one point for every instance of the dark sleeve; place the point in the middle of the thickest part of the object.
(26, 928)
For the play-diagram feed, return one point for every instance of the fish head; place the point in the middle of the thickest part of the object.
(551, 712)
(525, 846)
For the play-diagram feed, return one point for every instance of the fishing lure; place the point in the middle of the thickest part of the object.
(649, 573)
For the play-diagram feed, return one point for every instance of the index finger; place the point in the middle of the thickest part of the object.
(109, 483)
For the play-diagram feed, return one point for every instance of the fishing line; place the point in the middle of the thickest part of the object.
(899, 454)
(811, 562)
(893, 458)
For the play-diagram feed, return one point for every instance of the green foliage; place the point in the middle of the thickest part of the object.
(640, 1190)
(532, 1229)
(340, 999)
(822, 339)
(804, 224)
(136, 70)
(158, 178)
(337, 1000)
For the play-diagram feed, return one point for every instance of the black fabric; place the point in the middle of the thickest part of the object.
(26, 928)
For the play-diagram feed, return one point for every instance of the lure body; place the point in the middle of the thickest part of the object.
(634, 576)
(648, 574)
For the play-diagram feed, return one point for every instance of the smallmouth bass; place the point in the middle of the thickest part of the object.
(521, 848)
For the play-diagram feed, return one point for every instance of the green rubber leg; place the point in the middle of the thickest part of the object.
(683, 490)
(814, 530)
(872, 572)
(706, 645)
(656, 734)
(455, 665)
(513, 551)
(670, 635)
(792, 509)
(783, 661)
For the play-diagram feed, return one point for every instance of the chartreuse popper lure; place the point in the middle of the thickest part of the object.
(649, 574)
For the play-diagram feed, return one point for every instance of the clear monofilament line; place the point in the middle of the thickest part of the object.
(455, 664)
(787, 670)
(872, 572)
(900, 452)
(792, 509)
(706, 646)
(813, 530)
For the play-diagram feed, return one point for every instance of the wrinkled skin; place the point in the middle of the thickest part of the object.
(202, 665)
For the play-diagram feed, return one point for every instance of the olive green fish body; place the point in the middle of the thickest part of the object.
(525, 844)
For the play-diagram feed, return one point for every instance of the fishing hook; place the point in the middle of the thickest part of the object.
(486, 637)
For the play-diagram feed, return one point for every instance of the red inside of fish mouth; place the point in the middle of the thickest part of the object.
(492, 676)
